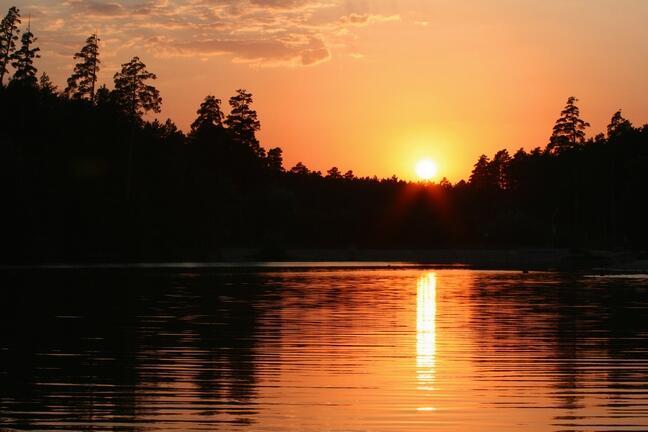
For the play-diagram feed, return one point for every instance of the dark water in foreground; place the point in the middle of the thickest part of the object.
(322, 350)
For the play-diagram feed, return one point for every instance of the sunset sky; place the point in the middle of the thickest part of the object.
(372, 85)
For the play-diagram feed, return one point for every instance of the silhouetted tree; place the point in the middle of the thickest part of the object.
(569, 130)
(167, 131)
(8, 36)
(482, 176)
(299, 169)
(132, 93)
(170, 129)
(46, 85)
(334, 173)
(499, 167)
(517, 167)
(242, 121)
(209, 115)
(103, 96)
(23, 61)
(81, 84)
(445, 184)
(275, 159)
(349, 175)
(134, 97)
(618, 125)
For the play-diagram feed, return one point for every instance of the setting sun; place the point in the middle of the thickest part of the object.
(426, 169)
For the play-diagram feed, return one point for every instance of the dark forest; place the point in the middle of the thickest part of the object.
(86, 177)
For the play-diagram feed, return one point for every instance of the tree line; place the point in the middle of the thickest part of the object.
(86, 177)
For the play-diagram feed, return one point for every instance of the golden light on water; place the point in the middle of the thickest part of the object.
(426, 169)
(426, 330)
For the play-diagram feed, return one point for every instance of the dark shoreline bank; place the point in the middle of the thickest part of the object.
(487, 259)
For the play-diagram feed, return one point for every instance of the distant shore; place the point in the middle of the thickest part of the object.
(501, 259)
(513, 259)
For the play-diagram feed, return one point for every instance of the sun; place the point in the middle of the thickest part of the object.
(426, 169)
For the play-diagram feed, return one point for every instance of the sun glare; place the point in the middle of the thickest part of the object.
(426, 169)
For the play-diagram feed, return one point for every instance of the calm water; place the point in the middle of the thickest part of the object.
(355, 349)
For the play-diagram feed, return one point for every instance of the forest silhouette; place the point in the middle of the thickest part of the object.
(86, 177)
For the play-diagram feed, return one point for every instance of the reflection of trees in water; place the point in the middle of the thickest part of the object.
(327, 312)
(52, 359)
(144, 346)
(209, 326)
(583, 327)
(627, 327)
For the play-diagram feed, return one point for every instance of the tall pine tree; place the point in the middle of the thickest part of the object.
(209, 115)
(274, 161)
(132, 93)
(82, 82)
(242, 121)
(482, 176)
(46, 85)
(23, 61)
(8, 37)
(618, 124)
(569, 130)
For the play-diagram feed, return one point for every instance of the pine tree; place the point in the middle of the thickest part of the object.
(8, 37)
(46, 85)
(569, 130)
(132, 93)
(618, 124)
(500, 169)
(481, 176)
(209, 115)
(82, 82)
(243, 123)
(103, 96)
(23, 61)
(300, 169)
(275, 159)
(334, 173)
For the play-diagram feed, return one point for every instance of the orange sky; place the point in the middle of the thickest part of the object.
(375, 85)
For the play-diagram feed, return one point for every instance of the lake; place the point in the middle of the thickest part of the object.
(321, 348)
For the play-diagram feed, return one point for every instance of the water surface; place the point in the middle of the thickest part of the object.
(326, 349)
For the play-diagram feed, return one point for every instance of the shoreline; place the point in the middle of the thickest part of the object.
(563, 260)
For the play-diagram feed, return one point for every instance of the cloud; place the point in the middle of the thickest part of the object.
(282, 4)
(364, 19)
(260, 52)
(55, 25)
(258, 32)
(316, 52)
(97, 8)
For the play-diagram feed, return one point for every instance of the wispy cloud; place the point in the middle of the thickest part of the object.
(260, 32)
(270, 52)
(366, 18)
(90, 8)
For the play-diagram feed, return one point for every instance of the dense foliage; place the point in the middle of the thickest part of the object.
(85, 177)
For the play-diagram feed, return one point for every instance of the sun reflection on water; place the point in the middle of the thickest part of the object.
(426, 331)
